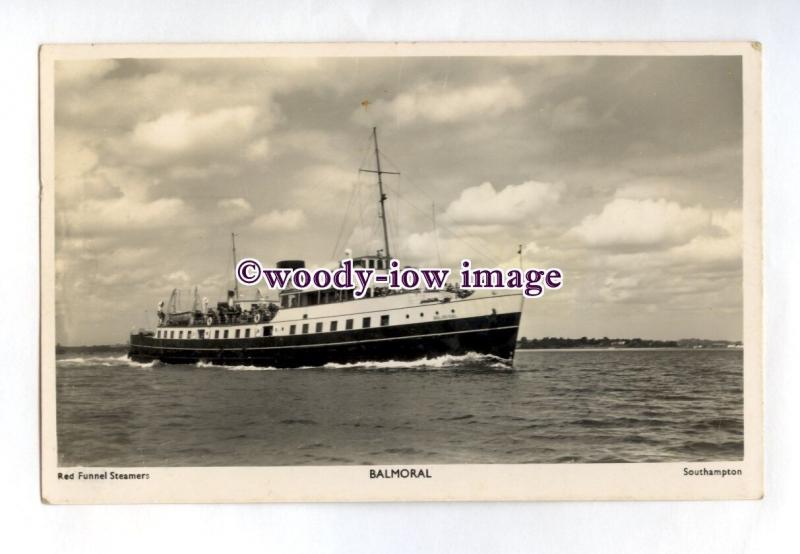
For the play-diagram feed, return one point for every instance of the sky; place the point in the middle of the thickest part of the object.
(624, 172)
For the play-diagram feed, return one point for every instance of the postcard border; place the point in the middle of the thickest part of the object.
(664, 481)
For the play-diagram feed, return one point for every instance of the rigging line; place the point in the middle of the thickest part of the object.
(473, 246)
(408, 179)
(436, 234)
(344, 218)
(367, 150)
(359, 221)
(452, 232)
(357, 218)
(353, 193)
(394, 224)
(362, 208)
(455, 235)
(316, 186)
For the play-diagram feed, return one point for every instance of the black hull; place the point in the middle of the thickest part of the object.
(495, 335)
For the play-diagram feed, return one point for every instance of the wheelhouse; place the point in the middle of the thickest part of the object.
(295, 298)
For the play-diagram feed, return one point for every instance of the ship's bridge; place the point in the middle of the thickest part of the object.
(294, 298)
(370, 262)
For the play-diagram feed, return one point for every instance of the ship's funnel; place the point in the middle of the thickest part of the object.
(290, 264)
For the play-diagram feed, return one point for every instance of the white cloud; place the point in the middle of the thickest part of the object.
(483, 204)
(427, 248)
(77, 175)
(130, 255)
(182, 133)
(645, 191)
(125, 214)
(324, 146)
(235, 206)
(177, 278)
(440, 105)
(76, 71)
(200, 171)
(576, 114)
(280, 220)
(722, 247)
(318, 187)
(257, 150)
(730, 221)
(642, 223)
(619, 288)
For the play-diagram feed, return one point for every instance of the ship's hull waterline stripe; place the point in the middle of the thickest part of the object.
(248, 348)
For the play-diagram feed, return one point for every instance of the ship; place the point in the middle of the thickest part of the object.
(309, 328)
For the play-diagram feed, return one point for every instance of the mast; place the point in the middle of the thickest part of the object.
(235, 280)
(381, 196)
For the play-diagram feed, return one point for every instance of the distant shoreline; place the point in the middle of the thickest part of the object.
(61, 349)
(606, 343)
(547, 343)
(612, 349)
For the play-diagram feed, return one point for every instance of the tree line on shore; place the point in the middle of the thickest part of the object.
(605, 342)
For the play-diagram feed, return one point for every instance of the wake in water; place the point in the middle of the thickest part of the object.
(478, 361)
(106, 361)
(471, 359)
(446, 362)
(236, 367)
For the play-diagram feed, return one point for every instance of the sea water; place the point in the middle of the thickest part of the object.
(552, 406)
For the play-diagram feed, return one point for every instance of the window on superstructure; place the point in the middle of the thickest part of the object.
(319, 327)
(292, 329)
(216, 334)
(365, 323)
(180, 334)
(334, 325)
(225, 334)
(348, 324)
(305, 328)
(380, 264)
(172, 334)
(384, 320)
(247, 333)
(371, 264)
(267, 330)
(237, 333)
